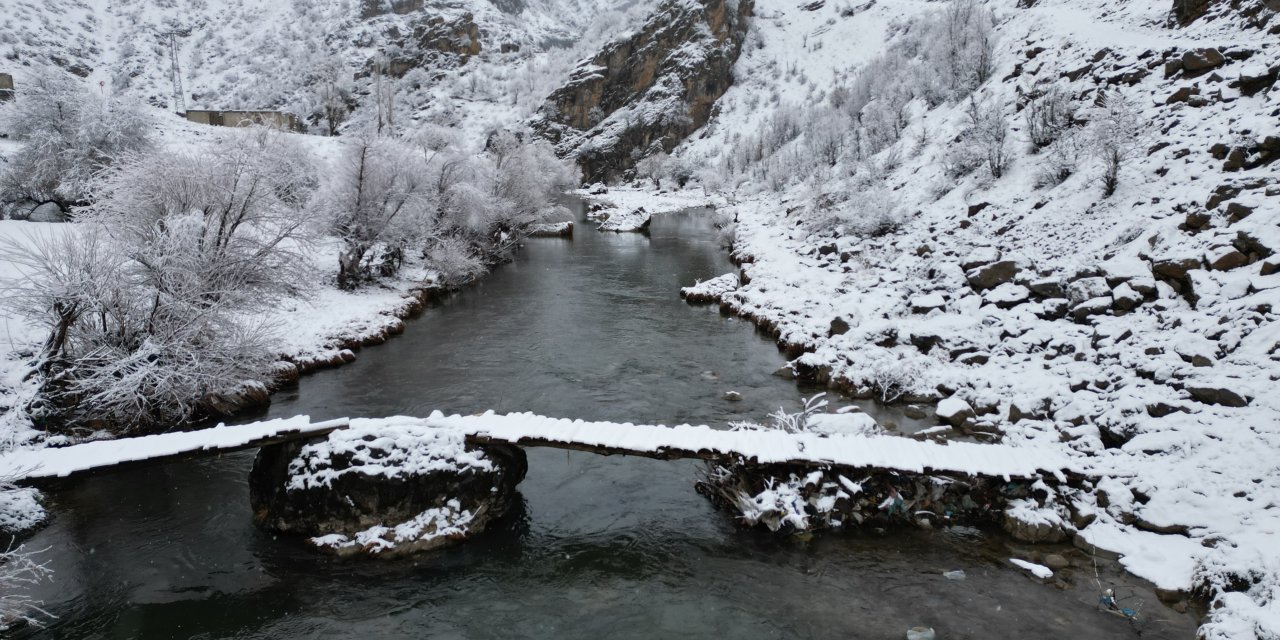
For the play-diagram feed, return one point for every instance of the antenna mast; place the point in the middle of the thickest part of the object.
(175, 74)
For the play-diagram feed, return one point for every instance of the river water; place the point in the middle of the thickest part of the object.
(600, 547)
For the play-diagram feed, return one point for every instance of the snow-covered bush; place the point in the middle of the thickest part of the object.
(653, 168)
(388, 196)
(455, 260)
(988, 132)
(1062, 158)
(146, 302)
(219, 223)
(69, 135)
(874, 211)
(1116, 135)
(1049, 115)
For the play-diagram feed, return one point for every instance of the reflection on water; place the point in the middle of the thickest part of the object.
(600, 547)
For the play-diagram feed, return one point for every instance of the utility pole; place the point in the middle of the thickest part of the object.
(175, 73)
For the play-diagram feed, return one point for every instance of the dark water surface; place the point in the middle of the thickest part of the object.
(600, 548)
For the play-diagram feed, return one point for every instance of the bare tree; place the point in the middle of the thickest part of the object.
(377, 201)
(1117, 132)
(1049, 115)
(69, 135)
(385, 88)
(20, 569)
(333, 94)
(652, 168)
(989, 130)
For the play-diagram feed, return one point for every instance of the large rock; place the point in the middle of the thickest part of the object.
(954, 411)
(1087, 289)
(1199, 61)
(649, 90)
(384, 487)
(1007, 295)
(992, 275)
(1217, 394)
(1025, 525)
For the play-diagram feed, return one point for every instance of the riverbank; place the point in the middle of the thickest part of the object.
(1140, 396)
(320, 328)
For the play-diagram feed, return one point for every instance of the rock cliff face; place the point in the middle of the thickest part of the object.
(428, 40)
(646, 93)
(1254, 14)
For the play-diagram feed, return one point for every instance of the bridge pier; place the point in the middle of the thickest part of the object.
(367, 491)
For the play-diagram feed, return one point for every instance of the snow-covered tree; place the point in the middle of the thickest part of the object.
(1048, 115)
(652, 168)
(989, 131)
(146, 303)
(20, 568)
(378, 201)
(1116, 134)
(69, 136)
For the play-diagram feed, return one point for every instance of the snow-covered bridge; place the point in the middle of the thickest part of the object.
(886, 453)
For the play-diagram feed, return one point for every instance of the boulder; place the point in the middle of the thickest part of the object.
(1007, 295)
(1032, 530)
(1095, 307)
(1225, 258)
(1053, 309)
(47, 212)
(927, 302)
(1182, 94)
(1216, 394)
(992, 275)
(1197, 61)
(1056, 562)
(1145, 285)
(1048, 287)
(979, 257)
(384, 487)
(1237, 212)
(1085, 289)
(954, 411)
(1125, 298)
(838, 327)
(1174, 269)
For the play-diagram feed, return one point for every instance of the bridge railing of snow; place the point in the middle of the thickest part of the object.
(889, 453)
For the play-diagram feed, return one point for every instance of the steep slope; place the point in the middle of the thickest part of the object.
(255, 54)
(645, 93)
(1139, 331)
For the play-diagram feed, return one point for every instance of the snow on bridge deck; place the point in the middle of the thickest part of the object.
(764, 446)
(890, 453)
(60, 462)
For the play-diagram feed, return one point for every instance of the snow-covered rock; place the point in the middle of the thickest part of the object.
(954, 411)
(383, 487)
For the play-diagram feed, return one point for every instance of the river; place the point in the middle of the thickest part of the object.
(601, 547)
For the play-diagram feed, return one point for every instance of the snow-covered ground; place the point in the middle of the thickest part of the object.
(630, 208)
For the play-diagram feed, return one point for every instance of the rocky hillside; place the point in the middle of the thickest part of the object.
(644, 94)
(293, 56)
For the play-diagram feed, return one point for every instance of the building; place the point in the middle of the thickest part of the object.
(6, 87)
(275, 119)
